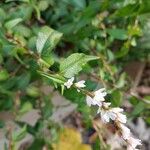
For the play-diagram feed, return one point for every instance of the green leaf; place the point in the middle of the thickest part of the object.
(129, 10)
(3, 15)
(22, 30)
(133, 100)
(147, 97)
(47, 40)
(46, 61)
(124, 50)
(16, 0)
(134, 30)
(138, 109)
(17, 136)
(119, 34)
(33, 91)
(121, 81)
(148, 120)
(56, 78)
(4, 75)
(47, 109)
(2, 124)
(12, 23)
(80, 4)
(116, 98)
(23, 81)
(1, 59)
(43, 5)
(73, 64)
(25, 108)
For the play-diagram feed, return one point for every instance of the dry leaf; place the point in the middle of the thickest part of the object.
(70, 139)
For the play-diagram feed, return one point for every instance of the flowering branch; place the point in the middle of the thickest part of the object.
(107, 113)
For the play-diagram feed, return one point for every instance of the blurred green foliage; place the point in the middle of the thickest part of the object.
(68, 37)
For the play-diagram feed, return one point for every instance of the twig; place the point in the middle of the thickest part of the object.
(97, 128)
(139, 97)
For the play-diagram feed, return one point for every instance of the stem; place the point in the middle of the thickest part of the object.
(97, 128)
(85, 91)
(98, 79)
(103, 59)
(21, 62)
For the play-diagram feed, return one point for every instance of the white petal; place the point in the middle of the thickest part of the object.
(105, 116)
(69, 83)
(134, 142)
(99, 95)
(89, 101)
(101, 92)
(125, 131)
(98, 98)
(112, 115)
(80, 84)
(130, 147)
(95, 102)
(117, 110)
(122, 118)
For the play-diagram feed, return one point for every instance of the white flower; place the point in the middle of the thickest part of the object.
(106, 115)
(117, 110)
(120, 117)
(100, 94)
(133, 143)
(69, 83)
(80, 84)
(113, 114)
(90, 101)
(125, 131)
(97, 99)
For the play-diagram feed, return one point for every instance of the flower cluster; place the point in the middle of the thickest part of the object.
(80, 84)
(107, 113)
(115, 114)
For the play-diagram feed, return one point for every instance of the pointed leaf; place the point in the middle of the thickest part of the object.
(12, 23)
(73, 64)
(47, 40)
(119, 34)
(55, 78)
